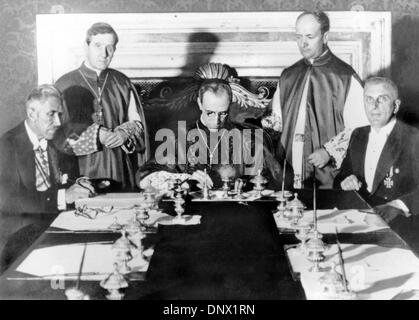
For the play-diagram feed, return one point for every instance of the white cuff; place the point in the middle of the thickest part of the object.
(62, 205)
(161, 180)
(399, 204)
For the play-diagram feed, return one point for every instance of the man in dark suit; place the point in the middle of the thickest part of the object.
(382, 161)
(31, 189)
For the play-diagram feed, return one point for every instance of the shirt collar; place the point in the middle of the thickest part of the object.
(319, 57)
(384, 131)
(43, 143)
(90, 72)
(323, 59)
(201, 125)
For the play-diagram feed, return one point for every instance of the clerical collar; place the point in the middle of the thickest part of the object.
(384, 131)
(321, 60)
(92, 73)
(201, 125)
(36, 143)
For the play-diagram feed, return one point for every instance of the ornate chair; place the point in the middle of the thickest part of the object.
(168, 102)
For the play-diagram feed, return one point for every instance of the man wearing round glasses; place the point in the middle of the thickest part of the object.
(382, 161)
(210, 150)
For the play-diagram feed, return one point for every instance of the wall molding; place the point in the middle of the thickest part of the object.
(257, 44)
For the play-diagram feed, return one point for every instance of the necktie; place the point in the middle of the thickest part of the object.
(42, 169)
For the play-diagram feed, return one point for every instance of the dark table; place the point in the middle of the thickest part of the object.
(235, 253)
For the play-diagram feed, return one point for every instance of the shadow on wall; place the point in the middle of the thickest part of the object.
(196, 59)
(405, 67)
(159, 110)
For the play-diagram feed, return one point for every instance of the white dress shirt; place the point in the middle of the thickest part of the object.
(43, 143)
(376, 141)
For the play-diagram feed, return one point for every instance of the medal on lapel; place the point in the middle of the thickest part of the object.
(388, 181)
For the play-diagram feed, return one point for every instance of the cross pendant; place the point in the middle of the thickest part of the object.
(98, 114)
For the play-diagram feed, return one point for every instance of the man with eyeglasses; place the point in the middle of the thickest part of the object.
(209, 150)
(317, 104)
(382, 162)
(104, 128)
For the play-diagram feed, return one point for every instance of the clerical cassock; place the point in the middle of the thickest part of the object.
(108, 101)
(319, 102)
(231, 152)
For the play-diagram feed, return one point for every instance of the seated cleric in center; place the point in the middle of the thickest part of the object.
(212, 144)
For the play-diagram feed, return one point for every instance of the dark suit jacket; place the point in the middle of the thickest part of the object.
(397, 173)
(18, 192)
(24, 212)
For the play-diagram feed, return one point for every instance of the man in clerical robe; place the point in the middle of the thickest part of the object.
(209, 151)
(317, 104)
(382, 162)
(104, 127)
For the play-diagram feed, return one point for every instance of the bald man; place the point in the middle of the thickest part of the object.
(318, 103)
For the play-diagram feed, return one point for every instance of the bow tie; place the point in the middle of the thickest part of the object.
(43, 144)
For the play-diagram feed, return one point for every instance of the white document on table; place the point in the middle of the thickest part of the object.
(117, 200)
(69, 221)
(219, 195)
(346, 221)
(373, 272)
(63, 261)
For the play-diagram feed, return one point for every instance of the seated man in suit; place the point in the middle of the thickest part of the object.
(382, 161)
(30, 178)
(213, 143)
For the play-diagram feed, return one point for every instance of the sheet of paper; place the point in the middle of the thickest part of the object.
(219, 195)
(183, 220)
(346, 221)
(373, 272)
(69, 221)
(118, 200)
(63, 261)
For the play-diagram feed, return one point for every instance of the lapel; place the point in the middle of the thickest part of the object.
(25, 157)
(359, 146)
(389, 154)
(53, 165)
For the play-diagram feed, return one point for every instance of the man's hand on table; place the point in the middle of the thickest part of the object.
(76, 191)
(351, 183)
(200, 176)
(388, 212)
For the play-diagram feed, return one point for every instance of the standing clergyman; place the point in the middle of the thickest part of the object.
(105, 126)
(318, 103)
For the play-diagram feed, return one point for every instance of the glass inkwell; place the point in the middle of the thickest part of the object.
(258, 183)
